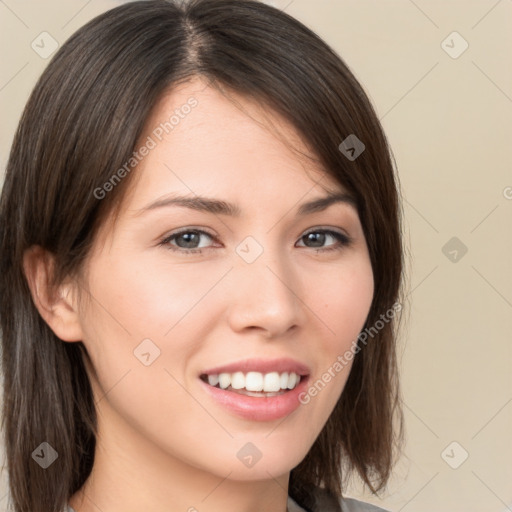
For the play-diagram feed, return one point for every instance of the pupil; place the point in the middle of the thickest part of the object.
(318, 237)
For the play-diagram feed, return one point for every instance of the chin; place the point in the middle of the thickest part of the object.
(261, 459)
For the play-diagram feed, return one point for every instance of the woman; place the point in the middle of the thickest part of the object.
(200, 272)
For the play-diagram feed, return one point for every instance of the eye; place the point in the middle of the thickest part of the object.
(186, 240)
(318, 238)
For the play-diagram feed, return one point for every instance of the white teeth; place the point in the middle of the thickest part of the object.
(272, 382)
(224, 380)
(255, 381)
(213, 380)
(238, 380)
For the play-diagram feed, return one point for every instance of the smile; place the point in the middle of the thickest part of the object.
(254, 384)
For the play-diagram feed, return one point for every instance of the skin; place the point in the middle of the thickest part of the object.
(164, 444)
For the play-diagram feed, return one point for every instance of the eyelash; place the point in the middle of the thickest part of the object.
(343, 240)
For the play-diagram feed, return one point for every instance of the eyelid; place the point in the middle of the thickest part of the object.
(331, 229)
(186, 229)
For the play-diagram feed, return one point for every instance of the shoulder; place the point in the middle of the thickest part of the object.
(353, 505)
(326, 502)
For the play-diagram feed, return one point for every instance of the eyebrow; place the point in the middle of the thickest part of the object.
(220, 207)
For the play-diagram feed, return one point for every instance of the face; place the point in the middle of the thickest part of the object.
(210, 321)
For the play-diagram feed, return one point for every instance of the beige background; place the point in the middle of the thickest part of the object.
(449, 124)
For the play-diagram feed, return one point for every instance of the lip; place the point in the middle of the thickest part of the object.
(261, 365)
(258, 408)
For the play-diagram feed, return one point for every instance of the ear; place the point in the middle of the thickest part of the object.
(57, 307)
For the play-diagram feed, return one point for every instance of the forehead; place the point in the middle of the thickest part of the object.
(203, 142)
(203, 137)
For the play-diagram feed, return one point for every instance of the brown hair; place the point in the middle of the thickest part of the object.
(81, 124)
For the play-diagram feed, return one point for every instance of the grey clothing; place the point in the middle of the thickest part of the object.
(325, 502)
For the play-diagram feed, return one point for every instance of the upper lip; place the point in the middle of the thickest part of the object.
(261, 365)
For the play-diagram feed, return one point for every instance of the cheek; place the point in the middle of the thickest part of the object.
(145, 324)
(139, 301)
(345, 298)
(163, 298)
(139, 330)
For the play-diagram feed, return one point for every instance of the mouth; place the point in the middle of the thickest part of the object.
(255, 384)
(257, 389)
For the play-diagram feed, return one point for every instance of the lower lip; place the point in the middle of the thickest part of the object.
(266, 408)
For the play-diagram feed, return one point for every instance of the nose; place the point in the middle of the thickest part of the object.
(265, 296)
